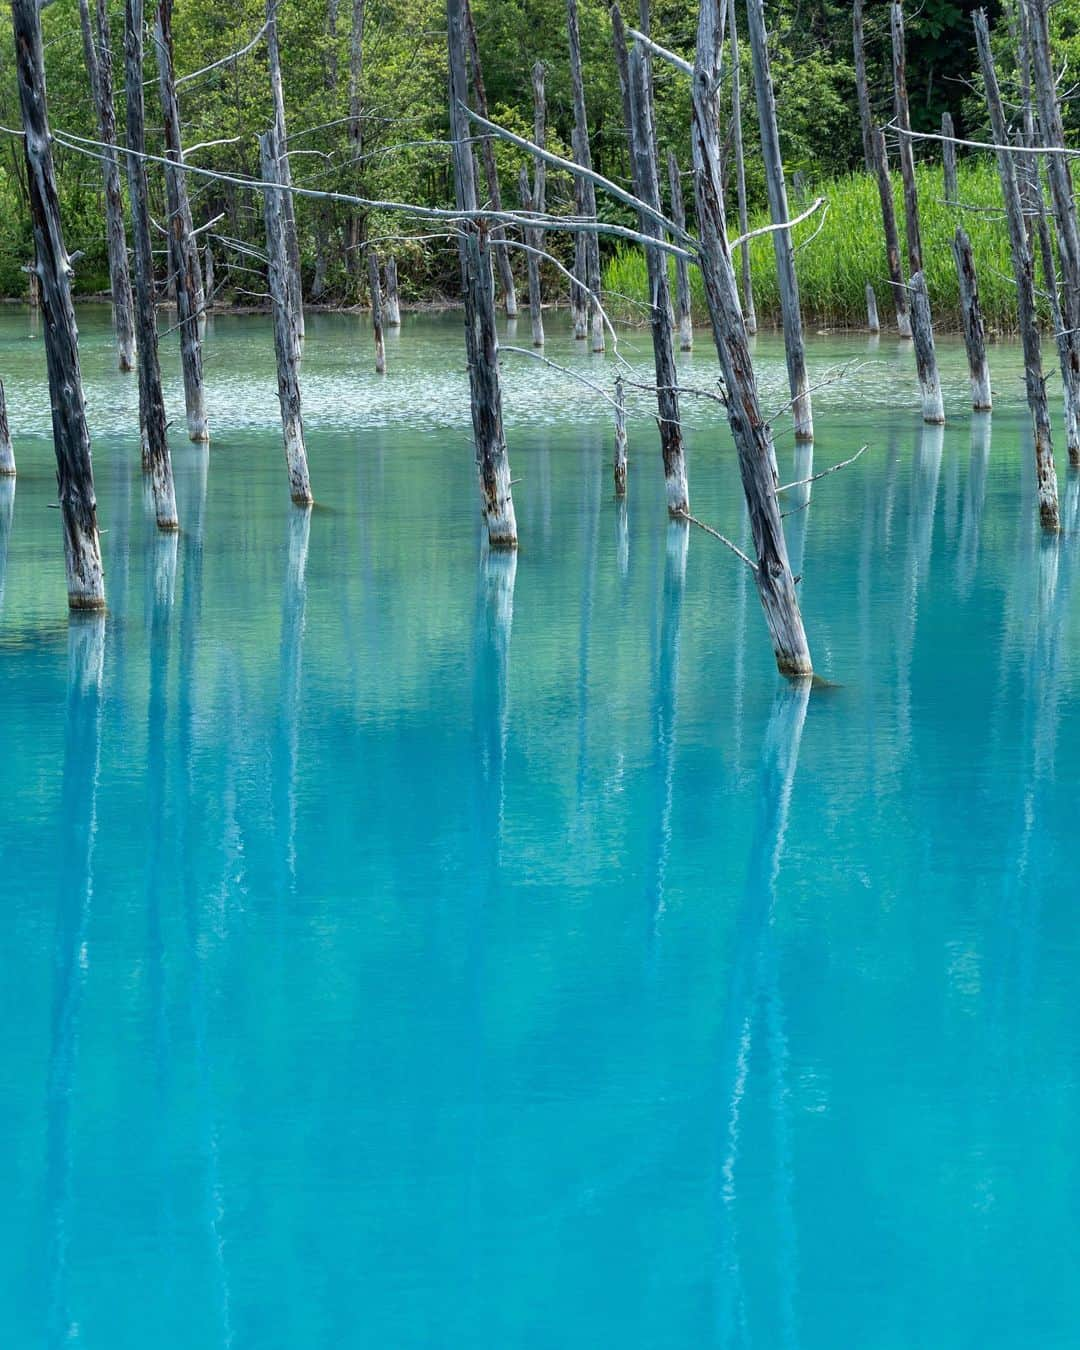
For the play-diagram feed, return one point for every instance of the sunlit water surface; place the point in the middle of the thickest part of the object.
(408, 948)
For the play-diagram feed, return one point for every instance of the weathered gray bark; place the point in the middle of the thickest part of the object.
(872, 320)
(1023, 272)
(71, 439)
(292, 422)
(97, 48)
(1070, 377)
(862, 85)
(208, 275)
(922, 332)
(157, 462)
(682, 270)
(292, 241)
(536, 195)
(491, 173)
(590, 260)
(7, 454)
(183, 251)
(393, 302)
(633, 73)
(787, 280)
(751, 432)
(892, 238)
(375, 296)
(749, 313)
(481, 338)
(620, 437)
(948, 160)
(907, 154)
(356, 133)
(324, 212)
(534, 242)
(972, 318)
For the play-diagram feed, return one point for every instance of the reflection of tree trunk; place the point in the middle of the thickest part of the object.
(291, 646)
(491, 691)
(967, 554)
(7, 511)
(925, 473)
(591, 520)
(797, 505)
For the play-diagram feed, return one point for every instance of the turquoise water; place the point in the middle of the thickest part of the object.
(409, 948)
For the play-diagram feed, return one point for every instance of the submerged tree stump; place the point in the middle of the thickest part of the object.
(393, 303)
(873, 323)
(972, 319)
(620, 437)
(375, 295)
(922, 332)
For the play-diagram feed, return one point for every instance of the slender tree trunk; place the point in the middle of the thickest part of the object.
(972, 318)
(862, 86)
(583, 155)
(491, 173)
(872, 320)
(7, 454)
(907, 155)
(682, 269)
(892, 237)
(1069, 384)
(1023, 271)
(481, 338)
(97, 49)
(534, 240)
(749, 313)
(948, 161)
(292, 422)
(778, 209)
(183, 253)
(292, 241)
(71, 439)
(922, 332)
(537, 194)
(375, 293)
(208, 276)
(393, 303)
(157, 462)
(620, 437)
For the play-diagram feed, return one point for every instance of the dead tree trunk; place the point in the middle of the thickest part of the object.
(537, 202)
(1023, 271)
(481, 339)
(97, 48)
(907, 155)
(7, 454)
(749, 313)
(393, 303)
(922, 332)
(862, 85)
(292, 241)
(491, 173)
(620, 437)
(752, 434)
(873, 323)
(948, 161)
(1069, 388)
(208, 275)
(183, 253)
(375, 295)
(71, 439)
(633, 74)
(292, 423)
(892, 237)
(778, 208)
(356, 133)
(971, 316)
(583, 155)
(157, 462)
(682, 268)
(534, 243)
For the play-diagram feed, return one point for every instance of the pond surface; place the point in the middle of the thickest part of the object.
(408, 948)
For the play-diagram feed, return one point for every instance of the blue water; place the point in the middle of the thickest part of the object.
(409, 948)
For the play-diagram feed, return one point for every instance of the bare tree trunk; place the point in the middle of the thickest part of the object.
(208, 275)
(491, 173)
(157, 462)
(872, 320)
(97, 49)
(749, 313)
(948, 161)
(583, 155)
(787, 280)
(907, 156)
(7, 454)
(393, 303)
(682, 269)
(534, 240)
(633, 73)
(892, 238)
(356, 138)
(972, 318)
(292, 241)
(33, 286)
(1070, 389)
(1023, 271)
(862, 86)
(183, 253)
(537, 195)
(71, 439)
(481, 338)
(752, 434)
(620, 437)
(292, 422)
(375, 294)
(922, 331)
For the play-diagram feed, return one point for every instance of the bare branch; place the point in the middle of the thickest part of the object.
(802, 482)
(685, 515)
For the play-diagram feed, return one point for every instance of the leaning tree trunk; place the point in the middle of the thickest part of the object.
(156, 458)
(292, 422)
(393, 302)
(907, 154)
(481, 339)
(682, 267)
(183, 252)
(922, 332)
(788, 283)
(583, 155)
(972, 319)
(491, 173)
(375, 295)
(98, 51)
(752, 433)
(749, 313)
(892, 237)
(71, 439)
(862, 86)
(948, 160)
(7, 454)
(1024, 273)
(273, 52)
(633, 73)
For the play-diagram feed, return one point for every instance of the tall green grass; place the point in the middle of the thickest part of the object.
(835, 264)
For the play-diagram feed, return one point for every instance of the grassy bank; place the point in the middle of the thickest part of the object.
(849, 251)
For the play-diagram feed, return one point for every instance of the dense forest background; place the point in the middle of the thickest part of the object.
(377, 126)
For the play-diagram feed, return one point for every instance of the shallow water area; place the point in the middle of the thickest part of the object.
(416, 947)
